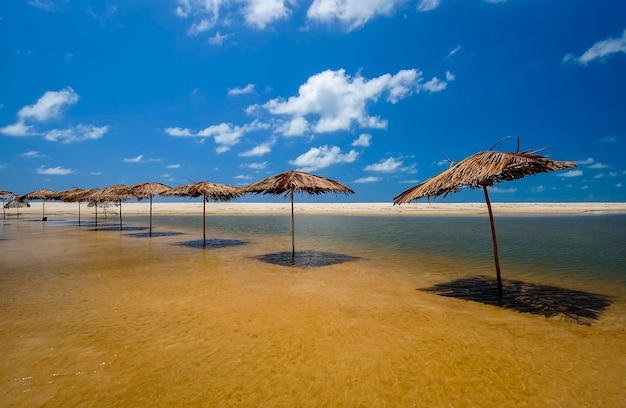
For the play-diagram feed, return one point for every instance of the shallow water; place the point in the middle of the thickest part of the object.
(110, 318)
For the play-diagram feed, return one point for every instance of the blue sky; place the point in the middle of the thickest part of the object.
(376, 94)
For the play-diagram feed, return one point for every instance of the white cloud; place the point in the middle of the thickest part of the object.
(49, 106)
(340, 101)
(31, 154)
(599, 50)
(502, 190)
(572, 173)
(363, 140)
(353, 14)
(227, 135)
(172, 166)
(54, 171)
(321, 157)
(618, 185)
(76, 134)
(538, 189)
(370, 179)
(435, 85)
(598, 166)
(178, 132)
(218, 39)
(297, 126)
(453, 52)
(18, 129)
(260, 13)
(46, 5)
(200, 27)
(427, 5)
(385, 166)
(255, 166)
(134, 159)
(239, 91)
(587, 161)
(259, 150)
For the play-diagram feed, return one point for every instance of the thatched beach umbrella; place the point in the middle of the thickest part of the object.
(4, 194)
(42, 194)
(115, 192)
(76, 195)
(148, 190)
(17, 203)
(209, 191)
(481, 171)
(292, 182)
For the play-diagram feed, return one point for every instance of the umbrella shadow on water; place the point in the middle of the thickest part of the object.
(154, 234)
(305, 259)
(212, 243)
(116, 227)
(549, 301)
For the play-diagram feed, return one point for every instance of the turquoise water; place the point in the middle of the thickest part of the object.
(577, 248)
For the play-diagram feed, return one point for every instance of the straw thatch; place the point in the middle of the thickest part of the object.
(483, 170)
(4, 194)
(115, 192)
(292, 182)
(41, 194)
(75, 195)
(208, 190)
(148, 190)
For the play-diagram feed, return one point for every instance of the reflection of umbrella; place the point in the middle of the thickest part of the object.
(6, 195)
(292, 182)
(43, 194)
(116, 192)
(210, 191)
(482, 170)
(147, 190)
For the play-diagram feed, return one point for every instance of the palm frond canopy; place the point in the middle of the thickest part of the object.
(73, 194)
(17, 203)
(42, 194)
(212, 191)
(147, 190)
(4, 194)
(115, 192)
(482, 169)
(294, 181)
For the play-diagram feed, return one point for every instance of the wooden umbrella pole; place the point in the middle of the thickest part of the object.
(495, 242)
(120, 214)
(43, 211)
(204, 222)
(96, 205)
(293, 239)
(150, 216)
(79, 213)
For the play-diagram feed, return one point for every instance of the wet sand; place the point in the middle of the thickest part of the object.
(100, 318)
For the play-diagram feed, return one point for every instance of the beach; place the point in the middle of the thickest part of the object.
(98, 316)
(338, 208)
